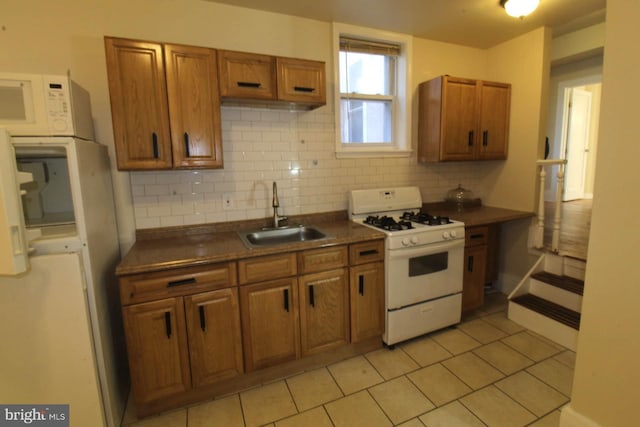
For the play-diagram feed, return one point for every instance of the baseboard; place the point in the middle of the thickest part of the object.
(570, 418)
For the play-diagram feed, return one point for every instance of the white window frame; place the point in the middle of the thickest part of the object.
(400, 145)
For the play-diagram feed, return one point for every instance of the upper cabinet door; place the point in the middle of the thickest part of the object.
(138, 104)
(301, 81)
(194, 106)
(494, 120)
(246, 75)
(459, 132)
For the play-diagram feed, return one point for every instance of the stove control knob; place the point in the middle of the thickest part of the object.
(414, 240)
(405, 242)
(454, 234)
(446, 235)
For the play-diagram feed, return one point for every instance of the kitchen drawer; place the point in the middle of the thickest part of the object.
(361, 253)
(182, 281)
(475, 236)
(322, 259)
(252, 270)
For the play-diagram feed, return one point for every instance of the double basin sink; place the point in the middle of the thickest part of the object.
(277, 236)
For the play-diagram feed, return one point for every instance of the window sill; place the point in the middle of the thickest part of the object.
(373, 153)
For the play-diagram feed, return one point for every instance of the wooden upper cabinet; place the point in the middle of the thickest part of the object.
(301, 81)
(246, 75)
(463, 119)
(139, 106)
(194, 106)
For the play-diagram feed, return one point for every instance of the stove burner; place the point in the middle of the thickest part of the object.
(425, 218)
(388, 223)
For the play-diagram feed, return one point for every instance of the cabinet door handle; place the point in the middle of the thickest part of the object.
(470, 138)
(361, 285)
(167, 323)
(312, 300)
(181, 282)
(304, 89)
(470, 264)
(369, 252)
(154, 140)
(286, 300)
(203, 325)
(485, 138)
(186, 145)
(249, 84)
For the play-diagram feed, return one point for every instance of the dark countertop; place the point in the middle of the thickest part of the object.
(477, 215)
(201, 245)
(157, 250)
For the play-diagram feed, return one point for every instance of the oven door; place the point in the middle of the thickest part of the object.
(422, 273)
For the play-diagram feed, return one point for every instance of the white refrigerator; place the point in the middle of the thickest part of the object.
(60, 323)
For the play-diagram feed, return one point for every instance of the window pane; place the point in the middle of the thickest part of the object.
(366, 73)
(365, 121)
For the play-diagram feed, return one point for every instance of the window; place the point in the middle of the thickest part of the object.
(371, 93)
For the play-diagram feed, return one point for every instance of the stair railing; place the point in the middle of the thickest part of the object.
(542, 173)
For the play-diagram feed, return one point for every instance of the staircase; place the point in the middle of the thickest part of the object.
(548, 300)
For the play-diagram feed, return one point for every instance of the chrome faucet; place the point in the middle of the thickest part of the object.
(276, 204)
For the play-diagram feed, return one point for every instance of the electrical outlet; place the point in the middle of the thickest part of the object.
(227, 202)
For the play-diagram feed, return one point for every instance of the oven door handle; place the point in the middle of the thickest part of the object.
(430, 249)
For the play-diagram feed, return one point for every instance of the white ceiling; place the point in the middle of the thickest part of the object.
(476, 23)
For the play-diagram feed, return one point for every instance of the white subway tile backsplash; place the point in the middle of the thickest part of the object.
(296, 149)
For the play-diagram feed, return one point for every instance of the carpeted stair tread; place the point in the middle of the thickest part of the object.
(563, 282)
(550, 309)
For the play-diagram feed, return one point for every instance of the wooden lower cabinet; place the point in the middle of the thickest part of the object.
(157, 345)
(215, 342)
(324, 310)
(270, 331)
(367, 300)
(473, 278)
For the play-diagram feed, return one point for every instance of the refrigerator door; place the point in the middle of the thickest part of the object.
(48, 355)
(14, 247)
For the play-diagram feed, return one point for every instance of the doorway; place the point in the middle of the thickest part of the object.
(577, 131)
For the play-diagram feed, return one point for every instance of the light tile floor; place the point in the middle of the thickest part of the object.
(487, 371)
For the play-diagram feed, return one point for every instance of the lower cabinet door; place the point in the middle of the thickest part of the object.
(215, 341)
(324, 310)
(475, 259)
(367, 300)
(270, 330)
(157, 347)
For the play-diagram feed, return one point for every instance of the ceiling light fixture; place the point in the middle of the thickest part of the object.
(519, 8)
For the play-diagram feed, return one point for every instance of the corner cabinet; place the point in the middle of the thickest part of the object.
(463, 119)
(164, 104)
(182, 329)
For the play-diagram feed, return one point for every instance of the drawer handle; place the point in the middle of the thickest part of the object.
(312, 300)
(203, 325)
(249, 84)
(183, 282)
(304, 89)
(361, 285)
(167, 323)
(154, 141)
(369, 252)
(470, 264)
(186, 145)
(476, 236)
(286, 300)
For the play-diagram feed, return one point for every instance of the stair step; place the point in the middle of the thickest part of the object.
(563, 282)
(550, 309)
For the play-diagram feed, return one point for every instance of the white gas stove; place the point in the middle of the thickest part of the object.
(423, 260)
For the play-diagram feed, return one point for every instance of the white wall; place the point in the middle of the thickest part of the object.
(260, 145)
(606, 377)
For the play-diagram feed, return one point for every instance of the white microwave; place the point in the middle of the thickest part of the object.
(44, 105)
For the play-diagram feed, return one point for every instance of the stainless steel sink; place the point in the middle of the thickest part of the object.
(277, 236)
